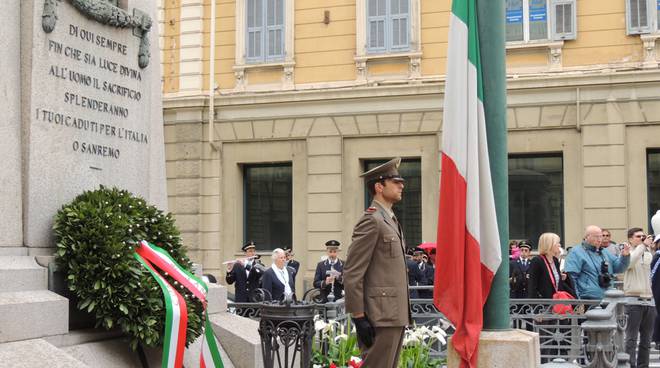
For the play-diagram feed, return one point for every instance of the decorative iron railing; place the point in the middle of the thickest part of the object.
(591, 335)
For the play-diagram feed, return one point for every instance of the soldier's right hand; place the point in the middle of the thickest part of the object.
(365, 332)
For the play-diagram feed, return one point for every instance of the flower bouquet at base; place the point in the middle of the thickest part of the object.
(417, 344)
(335, 345)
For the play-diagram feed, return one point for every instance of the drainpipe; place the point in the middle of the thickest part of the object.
(578, 118)
(212, 79)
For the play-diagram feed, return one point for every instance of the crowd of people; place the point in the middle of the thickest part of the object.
(251, 277)
(588, 269)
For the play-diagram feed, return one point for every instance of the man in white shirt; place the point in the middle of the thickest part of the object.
(641, 310)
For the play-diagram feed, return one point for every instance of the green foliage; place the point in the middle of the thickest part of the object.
(96, 234)
(334, 344)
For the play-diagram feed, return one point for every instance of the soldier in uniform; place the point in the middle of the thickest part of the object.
(428, 271)
(245, 273)
(323, 278)
(519, 271)
(290, 262)
(375, 281)
(415, 275)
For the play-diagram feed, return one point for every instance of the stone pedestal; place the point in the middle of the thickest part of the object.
(503, 349)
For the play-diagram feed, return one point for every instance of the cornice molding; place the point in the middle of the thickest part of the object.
(529, 91)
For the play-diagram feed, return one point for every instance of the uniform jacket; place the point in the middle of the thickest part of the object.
(375, 281)
(295, 265)
(415, 277)
(518, 276)
(321, 273)
(429, 276)
(274, 286)
(540, 282)
(246, 282)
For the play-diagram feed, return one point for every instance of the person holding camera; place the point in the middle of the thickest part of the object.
(640, 308)
(592, 269)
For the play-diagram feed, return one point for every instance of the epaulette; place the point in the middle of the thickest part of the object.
(370, 210)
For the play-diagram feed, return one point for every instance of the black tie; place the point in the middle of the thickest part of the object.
(248, 266)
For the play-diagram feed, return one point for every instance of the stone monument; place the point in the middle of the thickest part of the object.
(91, 106)
(81, 96)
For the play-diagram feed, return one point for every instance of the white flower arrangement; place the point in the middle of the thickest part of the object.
(335, 345)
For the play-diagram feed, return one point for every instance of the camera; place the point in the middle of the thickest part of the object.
(604, 279)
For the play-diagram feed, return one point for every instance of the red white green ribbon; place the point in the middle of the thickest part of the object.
(176, 321)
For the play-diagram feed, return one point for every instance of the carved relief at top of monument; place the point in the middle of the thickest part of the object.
(106, 12)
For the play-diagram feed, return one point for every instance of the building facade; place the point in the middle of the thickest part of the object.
(273, 108)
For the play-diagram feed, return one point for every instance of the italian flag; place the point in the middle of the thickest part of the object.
(468, 250)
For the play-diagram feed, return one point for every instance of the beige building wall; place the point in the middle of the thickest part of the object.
(327, 108)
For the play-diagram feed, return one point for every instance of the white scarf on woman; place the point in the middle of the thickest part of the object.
(282, 275)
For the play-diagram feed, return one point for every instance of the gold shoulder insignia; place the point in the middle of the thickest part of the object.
(371, 209)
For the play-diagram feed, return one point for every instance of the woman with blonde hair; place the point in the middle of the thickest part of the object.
(545, 277)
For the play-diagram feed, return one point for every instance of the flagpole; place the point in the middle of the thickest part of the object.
(493, 63)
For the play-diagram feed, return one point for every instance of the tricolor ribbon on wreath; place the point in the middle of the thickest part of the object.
(176, 322)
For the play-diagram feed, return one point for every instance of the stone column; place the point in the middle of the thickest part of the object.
(324, 210)
(11, 226)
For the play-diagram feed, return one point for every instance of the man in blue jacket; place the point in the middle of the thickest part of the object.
(591, 268)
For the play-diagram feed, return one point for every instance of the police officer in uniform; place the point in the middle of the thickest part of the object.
(245, 273)
(323, 277)
(415, 274)
(375, 281)
(290, 262)
(519, 272)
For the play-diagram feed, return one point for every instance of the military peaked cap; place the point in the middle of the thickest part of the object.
(332, 244)
(248, 245)
(388, 170)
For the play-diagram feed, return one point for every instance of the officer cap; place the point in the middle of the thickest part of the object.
(332, 244)
(248, 245)
(417, 251)
(524, 244)
(287, 250)
(388, 170)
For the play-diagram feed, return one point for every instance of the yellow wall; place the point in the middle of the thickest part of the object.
(435, 27)
(171, 31)
(601, 37)
(325, 53)
(225, 42)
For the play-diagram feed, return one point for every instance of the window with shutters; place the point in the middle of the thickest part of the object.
(265, 30)
(388, 26)
(642, 16)
(540, 20)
